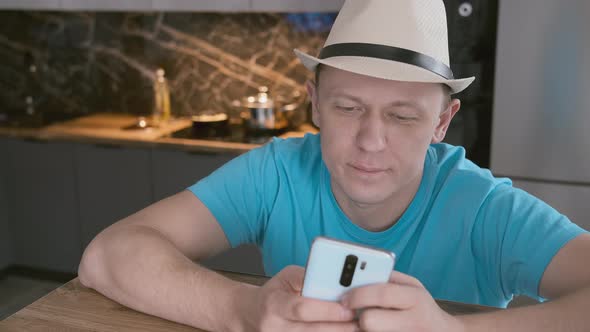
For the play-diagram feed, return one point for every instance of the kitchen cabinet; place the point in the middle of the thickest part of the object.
(113, 182)
(296, 5)
(570, 200)
(174, 171)
(42, 205)
(55, 197)
(5, 233)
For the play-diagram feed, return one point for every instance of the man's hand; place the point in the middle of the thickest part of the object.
(403, 304)
(278, 306)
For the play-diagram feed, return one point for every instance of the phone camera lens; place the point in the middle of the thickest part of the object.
(348, 270)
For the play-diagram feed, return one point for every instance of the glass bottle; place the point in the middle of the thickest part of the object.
(32, 85)
(161, 112)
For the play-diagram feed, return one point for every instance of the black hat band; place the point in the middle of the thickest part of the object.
(388, 53)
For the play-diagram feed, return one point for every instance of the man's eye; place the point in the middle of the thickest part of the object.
(348, 109)
(402, 118)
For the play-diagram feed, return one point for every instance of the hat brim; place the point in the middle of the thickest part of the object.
(385, 69)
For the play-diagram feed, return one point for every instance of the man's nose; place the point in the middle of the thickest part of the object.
(371, 135)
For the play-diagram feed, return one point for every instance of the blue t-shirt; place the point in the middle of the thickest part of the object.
(466, 235)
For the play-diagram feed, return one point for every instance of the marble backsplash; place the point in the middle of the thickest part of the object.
(105, 62)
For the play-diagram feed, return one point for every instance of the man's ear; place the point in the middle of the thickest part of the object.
(444, 120)
(312, 91)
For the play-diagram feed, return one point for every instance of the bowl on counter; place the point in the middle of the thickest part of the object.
(210, 124)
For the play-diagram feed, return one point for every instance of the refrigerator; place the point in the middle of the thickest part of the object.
(541, 112)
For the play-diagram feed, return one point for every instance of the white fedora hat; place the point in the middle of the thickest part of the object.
(402, 40)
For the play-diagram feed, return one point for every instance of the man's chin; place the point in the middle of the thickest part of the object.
(368, 197)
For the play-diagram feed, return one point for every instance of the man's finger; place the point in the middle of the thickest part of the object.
(323, 327)
(393, 296)
(312, 310)
(404, 279)
(377, 320)
(292, 277)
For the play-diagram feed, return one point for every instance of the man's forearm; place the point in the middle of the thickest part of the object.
(139, 268)
(568, 313)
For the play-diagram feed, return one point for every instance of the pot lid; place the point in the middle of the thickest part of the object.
(260, 100)
(209, 117)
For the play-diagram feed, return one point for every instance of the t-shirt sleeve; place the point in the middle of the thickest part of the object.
(517, 235)
(239, 194)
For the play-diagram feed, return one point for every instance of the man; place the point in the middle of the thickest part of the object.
(377, 174)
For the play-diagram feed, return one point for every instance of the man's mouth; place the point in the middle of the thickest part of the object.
(366, 169)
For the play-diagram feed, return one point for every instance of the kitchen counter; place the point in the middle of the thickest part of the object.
(75, 307)
(107, 128)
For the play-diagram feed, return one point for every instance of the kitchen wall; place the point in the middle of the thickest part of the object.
(84, 62)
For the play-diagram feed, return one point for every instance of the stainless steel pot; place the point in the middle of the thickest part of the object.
(261, 112)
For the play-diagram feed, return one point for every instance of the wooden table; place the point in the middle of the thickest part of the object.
(74, 307)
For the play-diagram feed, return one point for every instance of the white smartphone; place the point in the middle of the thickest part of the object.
(334, 267)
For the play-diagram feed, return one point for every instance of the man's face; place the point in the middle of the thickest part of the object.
(375, 132)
